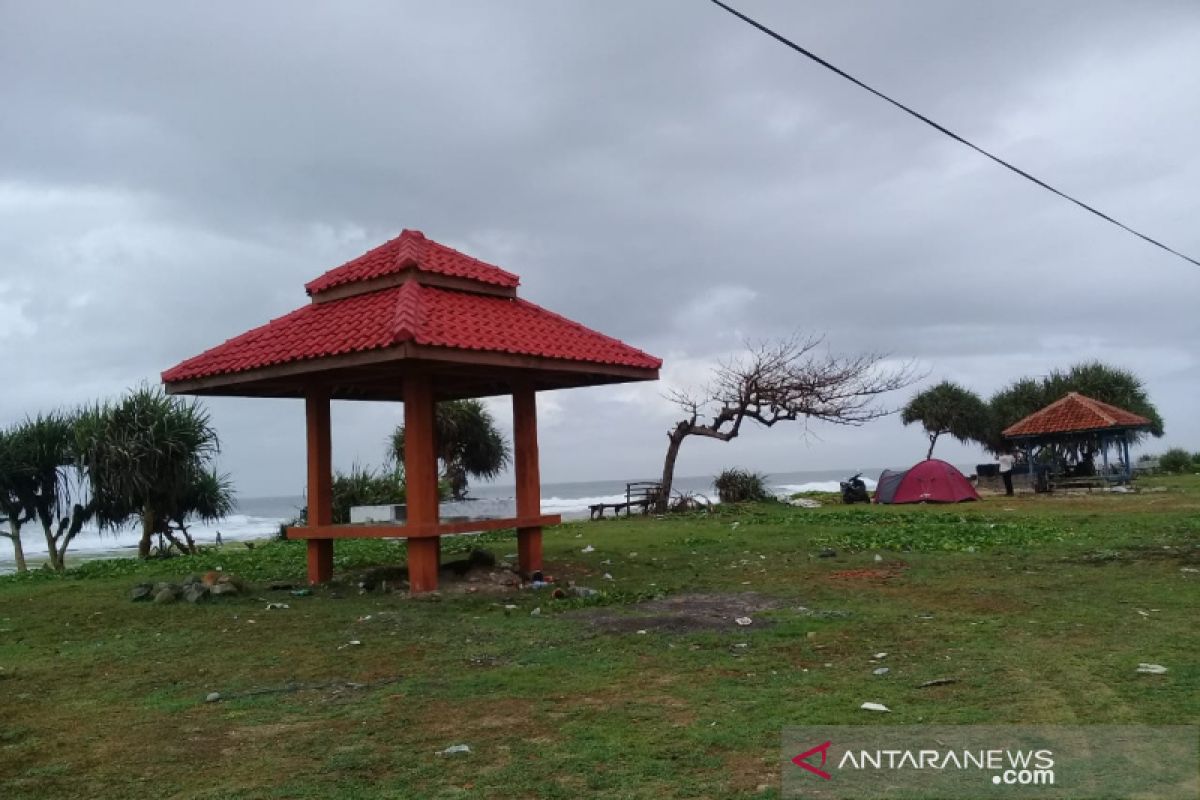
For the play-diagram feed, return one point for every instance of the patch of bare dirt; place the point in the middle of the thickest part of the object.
(479, 573)
(883, 573)
(684, 613)
(270, 730)
(1184, 554)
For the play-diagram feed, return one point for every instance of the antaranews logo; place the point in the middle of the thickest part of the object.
(1007, 767)
(801, 760)
(1013, 762)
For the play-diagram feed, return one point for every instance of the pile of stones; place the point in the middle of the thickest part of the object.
(192, 589)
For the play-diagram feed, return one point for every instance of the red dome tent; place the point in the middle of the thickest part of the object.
(931, 481)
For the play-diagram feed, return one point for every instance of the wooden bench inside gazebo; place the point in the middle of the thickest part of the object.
(415, 321)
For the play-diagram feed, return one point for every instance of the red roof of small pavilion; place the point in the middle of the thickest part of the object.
(412, 251)
(1075, 413)
(410, 299)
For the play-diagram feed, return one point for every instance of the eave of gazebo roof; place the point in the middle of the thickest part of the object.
(1075, 415)
(380, 375)
(411, 305)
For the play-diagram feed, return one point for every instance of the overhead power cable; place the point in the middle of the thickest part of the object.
(943, 129)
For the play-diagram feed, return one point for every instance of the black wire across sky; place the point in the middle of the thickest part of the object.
(943, 129)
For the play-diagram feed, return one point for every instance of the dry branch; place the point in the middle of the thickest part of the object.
(783, 381)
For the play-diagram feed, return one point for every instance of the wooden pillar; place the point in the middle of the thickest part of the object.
(1125, 452)
(320, 482)
(421, 477)
(529, 488)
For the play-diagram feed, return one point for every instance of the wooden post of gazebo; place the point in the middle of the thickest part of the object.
(525, 464)
(320, 481)
(416, 321)
(421, 481)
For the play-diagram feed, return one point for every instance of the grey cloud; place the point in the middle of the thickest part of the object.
(171, 175)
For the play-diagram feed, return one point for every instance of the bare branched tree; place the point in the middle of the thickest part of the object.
(782, 381)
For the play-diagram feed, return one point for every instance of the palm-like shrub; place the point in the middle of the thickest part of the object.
(948, 408)
(1103, 382)
(467, 441)
(363, 486)
(741, 486)
(47, 482)
(149, 457)
(1176, 460)
(14, 512)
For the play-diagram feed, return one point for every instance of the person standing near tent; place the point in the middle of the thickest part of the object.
(1007, 460)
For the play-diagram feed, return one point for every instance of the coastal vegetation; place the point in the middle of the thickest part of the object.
(790, 380)
(947, 409)
(1177, 460)
(364, 486)
(741, 486)
(1103, 382)
(1034, 609)
(468, 444)
(146, 458)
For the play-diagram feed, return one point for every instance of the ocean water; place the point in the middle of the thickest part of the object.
(260, 517)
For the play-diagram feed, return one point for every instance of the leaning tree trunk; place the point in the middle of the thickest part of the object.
(185, 546)
(18, 547)
(68, 529)
(52, 548)
(148, 528)
(933, 437)
(675, 438)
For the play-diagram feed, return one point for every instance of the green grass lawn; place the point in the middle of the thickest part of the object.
(1039, 608)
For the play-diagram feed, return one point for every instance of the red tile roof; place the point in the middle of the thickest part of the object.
(411, 250)
(1075, 413)
(425, 315)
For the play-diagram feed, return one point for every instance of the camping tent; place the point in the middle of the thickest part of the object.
(931, 481)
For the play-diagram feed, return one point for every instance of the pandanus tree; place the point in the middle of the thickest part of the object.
(1104, 382)
(467, 443)
(13, 512)
(207, 497)
(948, 408)
(47, 481)
(148, 457)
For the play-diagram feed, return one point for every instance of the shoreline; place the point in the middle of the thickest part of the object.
(259, 518)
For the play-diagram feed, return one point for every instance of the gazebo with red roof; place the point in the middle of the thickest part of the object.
(416, 321)
(1076, 417)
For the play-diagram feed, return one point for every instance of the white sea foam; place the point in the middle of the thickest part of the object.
(494, 501)
(90, 541)
(816, 486)
(556, 505)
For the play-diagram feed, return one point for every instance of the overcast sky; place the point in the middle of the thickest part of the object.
(172, 173)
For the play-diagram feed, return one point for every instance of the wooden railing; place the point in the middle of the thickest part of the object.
(403, 531)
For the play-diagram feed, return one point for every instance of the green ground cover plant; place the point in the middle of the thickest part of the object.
(1038, 609)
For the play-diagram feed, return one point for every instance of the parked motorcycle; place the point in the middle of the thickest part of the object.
(855, 491)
